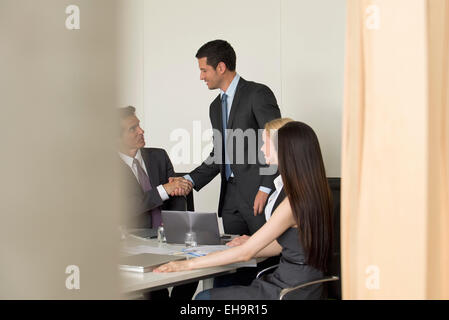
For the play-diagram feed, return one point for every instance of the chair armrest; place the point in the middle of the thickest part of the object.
(265, 270)
(288, 290)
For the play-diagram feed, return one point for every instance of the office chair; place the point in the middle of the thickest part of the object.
(332, 277)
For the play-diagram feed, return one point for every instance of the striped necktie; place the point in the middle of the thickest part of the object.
(224, 117)
(145, 183)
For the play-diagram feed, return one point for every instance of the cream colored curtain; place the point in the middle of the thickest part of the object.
(395, 157)
(438, 150)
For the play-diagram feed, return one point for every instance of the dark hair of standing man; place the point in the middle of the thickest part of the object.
(302, 170)
(217, 51)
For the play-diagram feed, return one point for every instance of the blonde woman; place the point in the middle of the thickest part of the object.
(244, 276)
(300, 229)
(269, 151)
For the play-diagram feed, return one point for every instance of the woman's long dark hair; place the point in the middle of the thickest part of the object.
(305, 182)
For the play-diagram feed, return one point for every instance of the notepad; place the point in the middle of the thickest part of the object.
(146, 262)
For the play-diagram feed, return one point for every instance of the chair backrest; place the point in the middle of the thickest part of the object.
(334, 264)
(189, 197)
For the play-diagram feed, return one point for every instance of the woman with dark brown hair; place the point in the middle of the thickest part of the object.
(299, 229)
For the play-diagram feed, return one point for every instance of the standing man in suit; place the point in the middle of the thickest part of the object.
(145, 177)
(241, 106)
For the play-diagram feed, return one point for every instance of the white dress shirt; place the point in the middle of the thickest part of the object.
(279, 184)
(130, 163)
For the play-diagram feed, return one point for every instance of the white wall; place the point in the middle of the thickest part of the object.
(313, 41)
(295, 47)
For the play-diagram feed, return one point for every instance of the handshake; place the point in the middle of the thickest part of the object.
(178, 186)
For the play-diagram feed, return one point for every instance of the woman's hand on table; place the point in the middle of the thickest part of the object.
(174, 266)
(238, 241)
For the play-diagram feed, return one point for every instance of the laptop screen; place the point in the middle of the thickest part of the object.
(178, 223)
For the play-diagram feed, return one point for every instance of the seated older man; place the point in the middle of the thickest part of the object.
(147, 176)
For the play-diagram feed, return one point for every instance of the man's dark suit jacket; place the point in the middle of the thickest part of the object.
(253, 106)
(138, 203)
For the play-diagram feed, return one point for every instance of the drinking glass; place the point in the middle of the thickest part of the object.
(190, 239)
(161, 235)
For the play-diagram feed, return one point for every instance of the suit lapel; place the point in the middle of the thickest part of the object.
(217, 114)
(129, 175)
(236, 101)
(151, 166)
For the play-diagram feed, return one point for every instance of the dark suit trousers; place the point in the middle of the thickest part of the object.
(180, 292)
(238, 215)
(244, 276)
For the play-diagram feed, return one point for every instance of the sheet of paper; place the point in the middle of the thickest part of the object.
(204, 250)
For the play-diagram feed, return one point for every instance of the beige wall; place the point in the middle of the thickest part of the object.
(295, 47)
(58, 198)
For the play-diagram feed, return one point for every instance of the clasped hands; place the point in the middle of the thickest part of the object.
(178, 186)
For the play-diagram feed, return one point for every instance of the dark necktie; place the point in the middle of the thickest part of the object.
(145, 183)
(224, 117)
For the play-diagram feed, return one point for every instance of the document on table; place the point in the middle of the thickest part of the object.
(192, 251)
(204, 250)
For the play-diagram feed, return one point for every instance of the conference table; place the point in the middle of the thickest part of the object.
(134, 283)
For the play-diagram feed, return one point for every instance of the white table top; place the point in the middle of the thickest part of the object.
(135, 281)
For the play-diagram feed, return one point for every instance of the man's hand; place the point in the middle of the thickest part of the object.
(238, 241)
(178, 186)
(259, 202)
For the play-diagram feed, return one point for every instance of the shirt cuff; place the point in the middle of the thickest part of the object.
(188, 177)
(162, 192)
(265, 189)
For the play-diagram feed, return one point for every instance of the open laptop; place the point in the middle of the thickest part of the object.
(204, 224)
